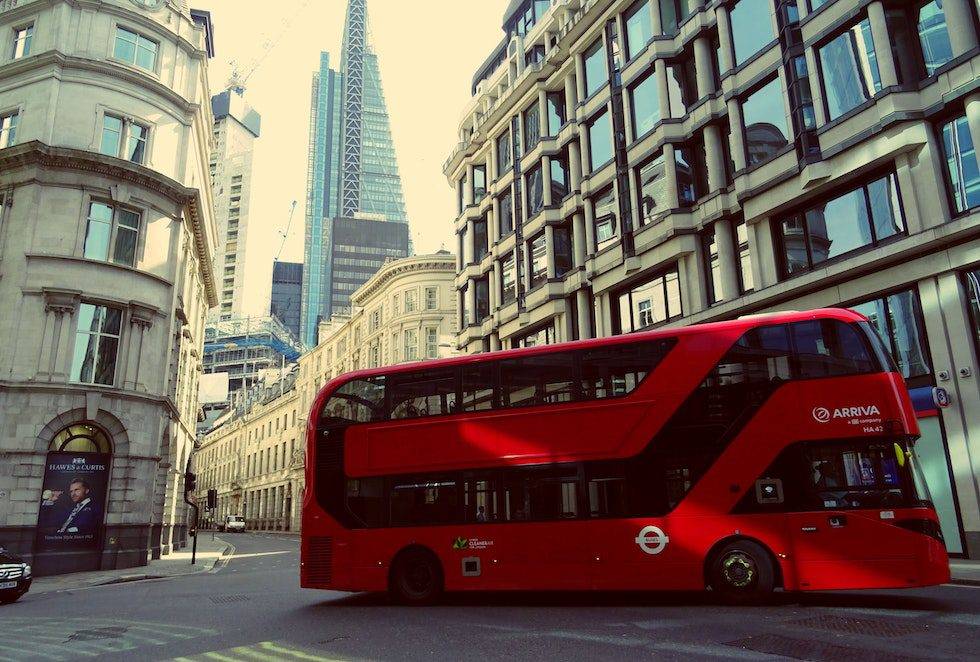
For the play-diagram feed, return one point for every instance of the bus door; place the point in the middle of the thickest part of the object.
(844, 538)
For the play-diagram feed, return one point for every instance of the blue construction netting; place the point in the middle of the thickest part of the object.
(288, 351)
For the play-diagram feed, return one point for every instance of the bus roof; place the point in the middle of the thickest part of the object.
(743, 323)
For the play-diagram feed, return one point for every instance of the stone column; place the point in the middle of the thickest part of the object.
(663, 95)
(726, 54)
(543, 113)
(727, 256)
(656, 24)
(578, 238)
(493, 223)
(816, 90)
(580, 94)
(546, 196)
(549, 244)
(468, 189)
(736, 136)
(471, 300)
(704, 66)
(574, 167)
(583, 141)
(469, 243)
(883, 53)
(715, 156)
(571, 97)
(494, 342)
(584, 311)
(972, 103)
(589, 228)
(670, 177)
(962, 37)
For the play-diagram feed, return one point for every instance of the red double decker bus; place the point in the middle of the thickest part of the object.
(773, 451)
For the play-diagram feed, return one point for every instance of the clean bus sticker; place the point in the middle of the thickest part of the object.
(652, 539)
(866, 416)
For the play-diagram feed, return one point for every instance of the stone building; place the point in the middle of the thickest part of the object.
(253, 456)
(628, 164)
(106, 244)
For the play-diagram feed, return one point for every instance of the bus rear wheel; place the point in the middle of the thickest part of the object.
(742, 571)
(416, 578)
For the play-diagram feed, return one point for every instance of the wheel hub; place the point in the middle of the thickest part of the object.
(739, 570)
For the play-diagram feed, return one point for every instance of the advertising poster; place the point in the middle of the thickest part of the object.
(73, 498)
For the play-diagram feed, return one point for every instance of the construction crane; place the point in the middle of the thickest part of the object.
(285, 233)
(241, 72)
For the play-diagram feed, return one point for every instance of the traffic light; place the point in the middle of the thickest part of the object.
(190, 481)
(212, 499)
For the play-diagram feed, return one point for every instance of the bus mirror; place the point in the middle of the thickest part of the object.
(769, 490)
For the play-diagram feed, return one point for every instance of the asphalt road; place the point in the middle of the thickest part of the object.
(253, 609)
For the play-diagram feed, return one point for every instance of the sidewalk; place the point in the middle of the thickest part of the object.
(209, 554)
(965, 572)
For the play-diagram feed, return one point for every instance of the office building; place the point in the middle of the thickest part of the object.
(287, 289)
(352, 166)
(236, 126)
(107, 238)
(626, 165)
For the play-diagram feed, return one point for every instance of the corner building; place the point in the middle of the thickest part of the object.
(107, 237)
(634, 164)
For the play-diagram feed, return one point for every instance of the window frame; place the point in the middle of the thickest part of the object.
(867, 85)
(28, 40)
(111, 244)
(140, 36)
(125, 136)
(951, 117)
(8, 136)
(99, 335)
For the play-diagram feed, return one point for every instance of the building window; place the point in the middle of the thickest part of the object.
(604, 205)
(849, 69)
(745, 284)
(432, 342)
(898, 320)
(480, 239)
(600, 141)
(859, 218)
(692, 173)
(395, 309)
(506, 214)
(431, 298)
(532, 127)
(479, 183)
(135, 49)
(411, 301)
(123, 139)
(537, 255)
(482, 297)
(96, 345)
(962, 172)
(111, 228)
(535, 191)
(595, 68)
(556, 112)
(712, 264)
(8, 129)
(503, 153)
(23, 37)
(508, 279)
(650, 302)
(933, 33)
(644, 105)
(764, 118)
(751, 22)
(653, 189)
(559, 177)
(675, 12)
(564, 260)
(461, 195)
(972, 280)
(411, 345)
(543, 335)
(638, 28)
(682, 85)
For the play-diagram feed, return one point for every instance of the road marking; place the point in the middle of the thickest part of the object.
(267, 651)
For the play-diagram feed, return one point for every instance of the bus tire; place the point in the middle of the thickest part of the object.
(416, 577)
(742, 571)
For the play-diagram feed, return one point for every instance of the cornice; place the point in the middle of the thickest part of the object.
(404, 266)
(36, 153)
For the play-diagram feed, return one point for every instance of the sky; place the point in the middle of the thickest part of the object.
(428, 52)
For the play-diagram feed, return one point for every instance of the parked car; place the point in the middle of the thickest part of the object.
(233, 523)
(15, 577)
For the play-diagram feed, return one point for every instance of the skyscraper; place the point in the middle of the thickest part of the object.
(352, 172)
(287, 286)
(236, 126)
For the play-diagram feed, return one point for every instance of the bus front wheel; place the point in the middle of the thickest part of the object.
(742, 571)
(416, 577)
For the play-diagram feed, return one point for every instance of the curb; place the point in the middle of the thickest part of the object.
(964, 582)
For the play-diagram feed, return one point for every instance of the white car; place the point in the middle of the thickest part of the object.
(234, 523)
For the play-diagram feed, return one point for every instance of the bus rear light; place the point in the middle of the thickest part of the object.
(926, 527)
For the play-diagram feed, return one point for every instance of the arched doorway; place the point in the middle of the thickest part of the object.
(74, 494)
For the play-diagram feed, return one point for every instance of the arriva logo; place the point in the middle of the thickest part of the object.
(823, 415)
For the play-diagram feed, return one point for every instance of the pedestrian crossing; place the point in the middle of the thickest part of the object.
(264, 650)
(46, 638)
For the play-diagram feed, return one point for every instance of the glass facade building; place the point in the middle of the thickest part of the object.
(287, 288)
(352, 168)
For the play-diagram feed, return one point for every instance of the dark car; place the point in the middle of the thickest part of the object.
(15, 577)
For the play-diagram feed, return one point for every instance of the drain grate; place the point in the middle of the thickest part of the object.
(228, 599)
(97, 634)
(865, 626)
(819, 651)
